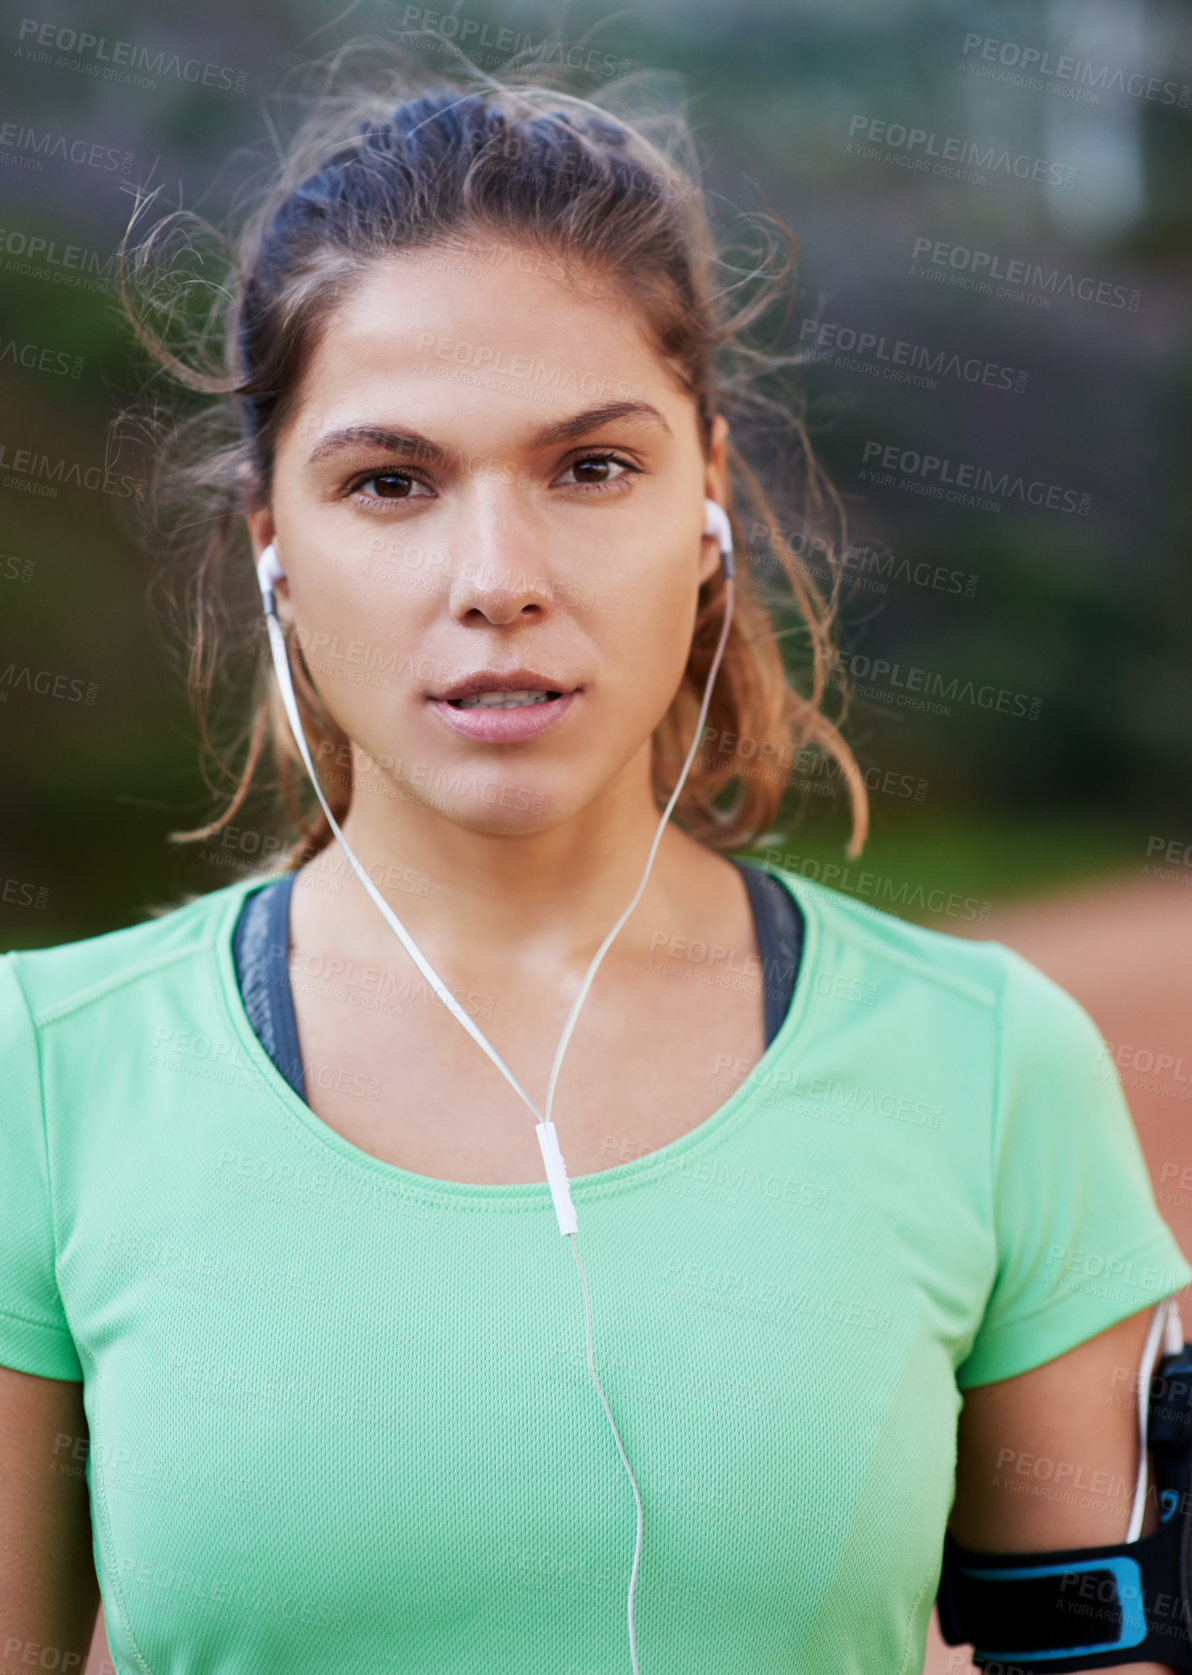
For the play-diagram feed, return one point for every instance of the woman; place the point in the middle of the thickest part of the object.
(280, 1243)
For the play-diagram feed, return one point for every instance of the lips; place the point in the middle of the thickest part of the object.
(498, 725)
(509, 680)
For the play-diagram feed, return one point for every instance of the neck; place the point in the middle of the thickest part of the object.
(471, 898)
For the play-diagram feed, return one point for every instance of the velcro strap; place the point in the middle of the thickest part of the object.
(1079, 1608)
(1049, 1611)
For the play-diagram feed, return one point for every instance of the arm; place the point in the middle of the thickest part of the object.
(49, 1595)
(1072, 1411)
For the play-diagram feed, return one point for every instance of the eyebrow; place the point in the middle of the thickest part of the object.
(411, 442)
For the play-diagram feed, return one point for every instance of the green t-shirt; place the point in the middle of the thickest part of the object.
(340, 1414)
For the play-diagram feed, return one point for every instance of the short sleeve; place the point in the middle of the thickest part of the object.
(34, 1336)
(1081, 1244)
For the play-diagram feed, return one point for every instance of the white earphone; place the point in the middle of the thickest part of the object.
(268, 569)
(269, 572)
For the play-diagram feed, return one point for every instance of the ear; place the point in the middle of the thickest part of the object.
(261, 532)
(715, 488)
(716, 471)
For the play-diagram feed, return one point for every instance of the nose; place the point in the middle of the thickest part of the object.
(501, 569)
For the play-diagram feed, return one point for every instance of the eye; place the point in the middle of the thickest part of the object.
(601, 463)
(598, 471)
(388, 486)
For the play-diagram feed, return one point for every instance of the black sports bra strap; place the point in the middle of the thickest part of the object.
(260, 946)
(779, 926)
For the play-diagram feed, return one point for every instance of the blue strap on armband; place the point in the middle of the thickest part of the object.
(1089, 1607)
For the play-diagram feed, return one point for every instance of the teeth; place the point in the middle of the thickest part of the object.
(501, 700)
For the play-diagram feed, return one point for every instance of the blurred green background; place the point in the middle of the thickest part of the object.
(799, 108)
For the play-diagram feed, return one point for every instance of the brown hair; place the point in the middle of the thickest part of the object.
(397, 160)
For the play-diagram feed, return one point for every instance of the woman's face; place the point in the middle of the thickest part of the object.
(489, 473)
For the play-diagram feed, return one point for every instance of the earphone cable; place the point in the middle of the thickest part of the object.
(556, 1172)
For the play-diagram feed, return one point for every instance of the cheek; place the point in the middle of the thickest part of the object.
(378, 592)
(360, 634)
(645, 650)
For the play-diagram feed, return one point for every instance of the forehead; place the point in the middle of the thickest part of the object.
(492, 317)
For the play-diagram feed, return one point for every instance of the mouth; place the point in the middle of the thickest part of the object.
(503, 700)
(506, 716)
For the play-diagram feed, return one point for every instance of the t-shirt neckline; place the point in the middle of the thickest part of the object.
(514, 1194)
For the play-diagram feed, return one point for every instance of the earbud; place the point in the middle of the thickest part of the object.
(716, 523)
(268, 572)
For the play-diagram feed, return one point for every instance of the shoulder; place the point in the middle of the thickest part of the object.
(59, 980)
(980, 970)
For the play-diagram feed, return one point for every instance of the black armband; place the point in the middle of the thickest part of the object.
(1090, 1607)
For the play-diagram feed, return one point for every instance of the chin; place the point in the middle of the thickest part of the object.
(496, 805)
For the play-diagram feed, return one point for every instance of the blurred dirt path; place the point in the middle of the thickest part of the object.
(1124, 950)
